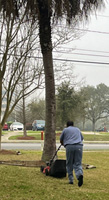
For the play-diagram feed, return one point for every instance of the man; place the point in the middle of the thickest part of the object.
(72, 138)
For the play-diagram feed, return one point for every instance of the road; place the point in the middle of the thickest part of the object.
(39, 146)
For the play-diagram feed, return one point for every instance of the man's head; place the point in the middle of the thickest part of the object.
(70, 123)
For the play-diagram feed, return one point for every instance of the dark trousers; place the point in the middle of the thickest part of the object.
(74, 160)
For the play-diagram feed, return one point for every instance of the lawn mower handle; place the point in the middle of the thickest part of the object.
(55, 154)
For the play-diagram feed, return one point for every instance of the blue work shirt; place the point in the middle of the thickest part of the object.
(71, 135)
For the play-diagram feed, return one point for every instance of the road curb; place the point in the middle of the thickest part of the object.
(42, 141)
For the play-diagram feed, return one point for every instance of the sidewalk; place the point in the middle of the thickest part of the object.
(5, 138)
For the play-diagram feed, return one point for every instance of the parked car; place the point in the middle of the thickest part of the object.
(38, 125)
(15, 126)
(28, 126)
(5, 127)
(103, 129)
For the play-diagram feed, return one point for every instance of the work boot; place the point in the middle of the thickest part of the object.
(70, 182)
(80, 180)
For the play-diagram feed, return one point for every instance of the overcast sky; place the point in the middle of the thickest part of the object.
(93, 46)
(95, 42)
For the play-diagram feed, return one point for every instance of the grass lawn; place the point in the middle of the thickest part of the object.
(28, 183)
(87, 137)
(100, 137)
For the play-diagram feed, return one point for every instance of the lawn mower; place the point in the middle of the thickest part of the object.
(55, 168)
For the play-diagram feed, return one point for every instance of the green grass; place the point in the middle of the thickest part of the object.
(95, 137)
(27, 183)
(87, 137)
(4, 132)
(33, 132)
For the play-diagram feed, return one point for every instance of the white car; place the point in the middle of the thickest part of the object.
(15, 126)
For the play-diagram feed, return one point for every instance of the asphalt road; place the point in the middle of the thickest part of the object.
(39, 146)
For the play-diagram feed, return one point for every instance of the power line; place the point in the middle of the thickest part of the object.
(81, 49)
(75, 49)
(93, 31)
(82, 61)
(68, 60)
(92, 50)
(101, 16)
(79, 61)
(86, 30)
(66, 49)
(81, 54)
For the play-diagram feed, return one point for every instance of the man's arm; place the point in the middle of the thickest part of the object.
(61, 138)
(82, 136)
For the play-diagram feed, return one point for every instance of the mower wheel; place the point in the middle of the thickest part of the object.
(46, 172)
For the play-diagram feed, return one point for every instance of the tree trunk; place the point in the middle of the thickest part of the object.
(24, 114)
(24, 118)
(0, 109)
(50, 140)
(93, 126)
(0, 135)
(83, 124)
(46, 48)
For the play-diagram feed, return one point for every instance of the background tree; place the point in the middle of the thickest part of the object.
(96, 102)
(45, 11)
(81, 108)
(36, 110)
(67, 101)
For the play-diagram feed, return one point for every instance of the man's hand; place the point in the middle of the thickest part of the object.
(61, 142)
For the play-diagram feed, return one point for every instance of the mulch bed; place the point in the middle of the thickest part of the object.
(5, 152)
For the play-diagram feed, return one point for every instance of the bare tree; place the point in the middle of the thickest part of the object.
(17, 44)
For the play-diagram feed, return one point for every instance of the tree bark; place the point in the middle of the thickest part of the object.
(0, 135)
(24, 114)
(93, 126)
(50, 140)
(24, 118)
(46, 48)
(0, 109)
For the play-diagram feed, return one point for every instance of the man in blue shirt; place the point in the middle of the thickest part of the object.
(72, 140)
